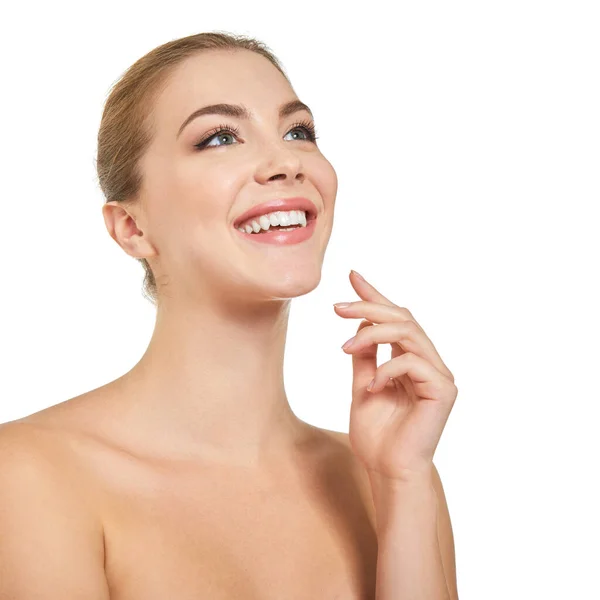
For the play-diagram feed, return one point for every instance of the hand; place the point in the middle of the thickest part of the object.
(396, 426)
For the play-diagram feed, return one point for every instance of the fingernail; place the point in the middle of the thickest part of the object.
(342, 304)
(348, 343)
(370, 386)
(358, 275)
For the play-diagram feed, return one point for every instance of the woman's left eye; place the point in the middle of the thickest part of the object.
(309, 128)
(225, 130)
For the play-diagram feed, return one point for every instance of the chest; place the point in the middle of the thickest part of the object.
(225, 537)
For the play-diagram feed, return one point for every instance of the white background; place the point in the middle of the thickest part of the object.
(466, 139)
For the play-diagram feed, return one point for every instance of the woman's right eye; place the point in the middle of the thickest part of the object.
(218, 132)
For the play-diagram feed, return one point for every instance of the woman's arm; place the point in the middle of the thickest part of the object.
(398, 413)
(51, 547)
(416, 558)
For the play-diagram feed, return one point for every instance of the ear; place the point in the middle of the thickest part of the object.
(121, 221)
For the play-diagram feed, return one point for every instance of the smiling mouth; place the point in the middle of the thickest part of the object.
(304, 222)
(281, 236)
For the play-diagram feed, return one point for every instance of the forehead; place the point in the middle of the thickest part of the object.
(215, 76)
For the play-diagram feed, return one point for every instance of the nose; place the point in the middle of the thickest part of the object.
(282, 163)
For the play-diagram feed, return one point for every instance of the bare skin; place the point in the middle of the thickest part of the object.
(188, 528)
(197, 478)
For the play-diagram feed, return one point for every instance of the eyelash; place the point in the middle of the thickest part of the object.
(308, 126)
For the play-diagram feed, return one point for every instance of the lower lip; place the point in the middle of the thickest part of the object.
(282, 238)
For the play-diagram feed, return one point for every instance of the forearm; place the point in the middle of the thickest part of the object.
(409, 561)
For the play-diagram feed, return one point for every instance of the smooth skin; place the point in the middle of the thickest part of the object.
(399, 408)
(51, 536)
(178, 452)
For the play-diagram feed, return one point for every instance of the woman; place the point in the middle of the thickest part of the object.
(190, 476)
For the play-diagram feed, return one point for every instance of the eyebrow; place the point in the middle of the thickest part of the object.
(240, 112)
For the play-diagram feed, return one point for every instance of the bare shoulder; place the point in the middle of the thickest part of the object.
(339, 436)
(30, 448)
(59, 447)
(43, 455)
(345, 460)
(46, 520)
(341, 449)
(341, 445)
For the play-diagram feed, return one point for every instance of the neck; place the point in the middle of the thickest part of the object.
(211, 384)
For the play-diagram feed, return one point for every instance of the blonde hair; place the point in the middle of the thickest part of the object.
(125, 132)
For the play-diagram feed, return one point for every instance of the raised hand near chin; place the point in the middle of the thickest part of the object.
(396, 424)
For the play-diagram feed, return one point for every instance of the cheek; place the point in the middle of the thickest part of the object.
(194, 245)
(206, 190)
(327, 183)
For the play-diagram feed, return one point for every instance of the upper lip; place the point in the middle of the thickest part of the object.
(296, 203)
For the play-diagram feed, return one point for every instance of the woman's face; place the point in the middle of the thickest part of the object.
(192, 196)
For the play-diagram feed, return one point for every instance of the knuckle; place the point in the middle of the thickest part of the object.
(411, 326)
(439, 385)
(451, 390)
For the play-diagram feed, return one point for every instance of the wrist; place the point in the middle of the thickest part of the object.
(394, 498)
(407, 478)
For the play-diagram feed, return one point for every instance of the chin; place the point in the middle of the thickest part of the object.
(296, 283)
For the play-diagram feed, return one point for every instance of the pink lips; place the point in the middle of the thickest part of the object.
(297, 203)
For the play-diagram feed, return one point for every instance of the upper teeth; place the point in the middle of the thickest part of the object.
(283, 218)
